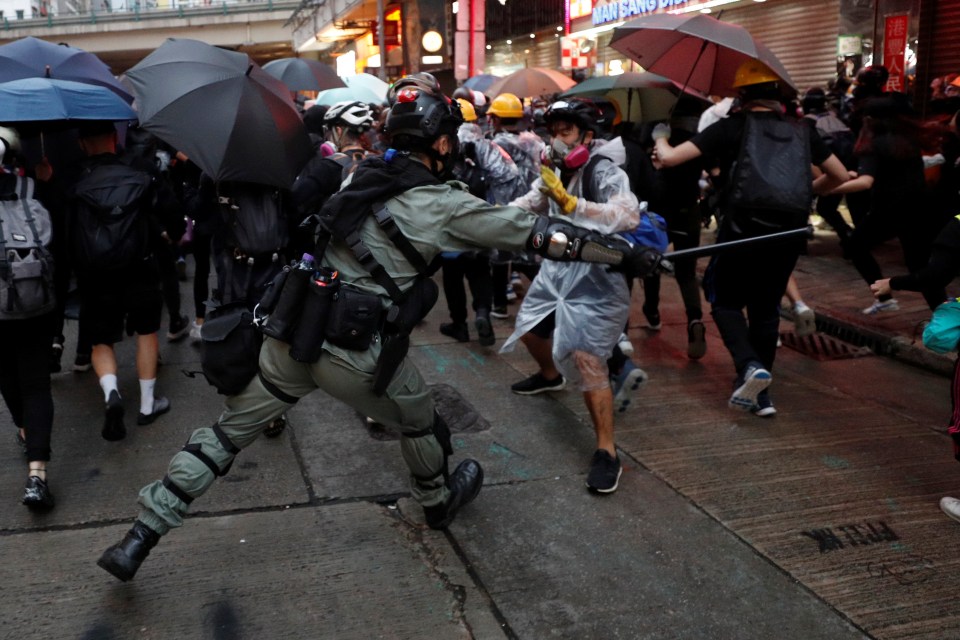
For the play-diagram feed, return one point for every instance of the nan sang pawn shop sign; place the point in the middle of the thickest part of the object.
(605, 11)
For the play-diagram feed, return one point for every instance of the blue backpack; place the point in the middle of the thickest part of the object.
(652, 230)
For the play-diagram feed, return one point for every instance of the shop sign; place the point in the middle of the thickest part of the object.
(571, 55)
(895, 50)
(617, 10)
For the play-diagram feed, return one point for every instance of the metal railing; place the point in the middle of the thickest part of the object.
(95, 11)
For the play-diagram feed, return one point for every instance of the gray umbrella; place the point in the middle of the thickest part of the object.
(303, 74)
(234, 120)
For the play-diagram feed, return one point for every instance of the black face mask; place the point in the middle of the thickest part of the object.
(449, 161)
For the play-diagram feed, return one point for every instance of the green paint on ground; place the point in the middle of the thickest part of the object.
(834, 462)
(892, 505)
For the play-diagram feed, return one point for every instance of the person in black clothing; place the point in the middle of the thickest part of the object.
(754, 280)
(674, 193)
(127, 297)
(24, 369)
(942, 267)
(891, 168)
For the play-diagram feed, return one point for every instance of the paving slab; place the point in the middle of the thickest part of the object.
(644, 563)
(340, 572)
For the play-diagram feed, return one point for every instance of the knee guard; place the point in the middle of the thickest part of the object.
(441, 432)
(195, 449)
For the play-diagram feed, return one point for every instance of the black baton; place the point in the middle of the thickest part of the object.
(721, 247)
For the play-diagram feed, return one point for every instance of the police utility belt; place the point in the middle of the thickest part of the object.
(307, 304)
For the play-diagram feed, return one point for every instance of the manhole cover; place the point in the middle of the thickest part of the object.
(823, 347)
(459, 415)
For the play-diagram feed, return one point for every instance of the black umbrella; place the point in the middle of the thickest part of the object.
(34, 58)
(229, 116)
(302, 74)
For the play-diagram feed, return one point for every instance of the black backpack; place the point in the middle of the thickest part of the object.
(771, 184)
(111, 224)
(255, 219)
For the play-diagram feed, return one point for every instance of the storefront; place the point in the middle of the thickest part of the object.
(802, 33)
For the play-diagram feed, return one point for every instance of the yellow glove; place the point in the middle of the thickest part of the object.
(553, 188)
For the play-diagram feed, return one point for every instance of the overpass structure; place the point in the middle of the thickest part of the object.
(122, 37)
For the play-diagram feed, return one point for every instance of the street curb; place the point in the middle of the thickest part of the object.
(910, 351)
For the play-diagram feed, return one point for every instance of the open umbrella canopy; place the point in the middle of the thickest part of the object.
(696, 50)
(369, 82)
(234, 120)
(44, 99)
(34, 58)
(531, 83)
(346, 94)
(481, 82)
(642, 97)
(303, 74)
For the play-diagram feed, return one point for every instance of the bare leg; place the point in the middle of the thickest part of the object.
(600, 404)
(542, 351)
(104, 360)
(148, 351)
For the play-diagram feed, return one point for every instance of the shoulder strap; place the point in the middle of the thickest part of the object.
(586, 178)
(25, 194)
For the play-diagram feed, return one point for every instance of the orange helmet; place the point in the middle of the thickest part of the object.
(754, 72)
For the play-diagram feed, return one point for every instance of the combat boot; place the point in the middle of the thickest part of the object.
(124, 558)
(464, 484)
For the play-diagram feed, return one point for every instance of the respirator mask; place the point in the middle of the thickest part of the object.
(567, 157)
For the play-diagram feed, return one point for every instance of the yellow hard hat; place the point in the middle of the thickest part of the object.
(754, 72)
(467, 110)
(506, 105)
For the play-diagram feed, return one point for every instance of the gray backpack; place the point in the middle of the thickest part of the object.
(26, 264)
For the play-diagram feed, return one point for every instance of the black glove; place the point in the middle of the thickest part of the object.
(641, 262)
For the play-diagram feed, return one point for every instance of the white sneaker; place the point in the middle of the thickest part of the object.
(951, 507)
(195, 331)
(804, 320)
(877, 307)
(626, 347)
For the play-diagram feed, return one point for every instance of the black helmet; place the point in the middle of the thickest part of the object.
(420, 110)
(814, 100)
(582, 112)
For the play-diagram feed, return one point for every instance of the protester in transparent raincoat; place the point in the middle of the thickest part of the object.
(584, 307)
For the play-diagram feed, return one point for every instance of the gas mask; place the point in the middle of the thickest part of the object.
(567, 157)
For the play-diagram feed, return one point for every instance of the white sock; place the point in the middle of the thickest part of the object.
(800, 306)
(108, 383)
(146, 396)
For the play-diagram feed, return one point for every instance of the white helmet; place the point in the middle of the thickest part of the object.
(353, 115)
(10, 141)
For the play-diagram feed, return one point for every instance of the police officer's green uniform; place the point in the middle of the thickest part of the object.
(434, 218)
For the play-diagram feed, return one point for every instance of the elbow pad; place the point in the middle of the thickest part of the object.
(557, 239)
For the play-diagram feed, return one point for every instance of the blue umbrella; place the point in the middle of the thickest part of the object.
(346, 94)
(34, 58)
(481, 82)
(44, 99)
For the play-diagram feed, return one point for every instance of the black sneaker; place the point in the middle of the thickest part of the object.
(485, 335)
(56, 352)
(764, 407)
(604, 473)
(36, 494)
(538, 384)
(456, 330)
(696, 340)
(499, 312)
(179, 327)
(465, 483)
(653, 320)
(82, 363)
(160, 406)
(113, 428)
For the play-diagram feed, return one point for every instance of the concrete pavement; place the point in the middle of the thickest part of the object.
(820, 523)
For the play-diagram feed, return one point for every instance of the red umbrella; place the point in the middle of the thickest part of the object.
(695, 50)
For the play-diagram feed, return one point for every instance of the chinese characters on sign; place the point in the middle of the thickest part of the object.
(895, 49)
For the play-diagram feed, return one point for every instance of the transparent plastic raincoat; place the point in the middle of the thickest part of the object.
(503, 179)
(525, 149)
(591, 303)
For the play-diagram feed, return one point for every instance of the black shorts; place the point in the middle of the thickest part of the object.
(545, 327)
(110, 303)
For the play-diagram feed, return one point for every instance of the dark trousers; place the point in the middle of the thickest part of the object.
(475, 267)
(201, 275)
(25, 380)
(916, 238)
(753, 280)
(684, 232)
(501, 278)
(827, 208)
(169, 278)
